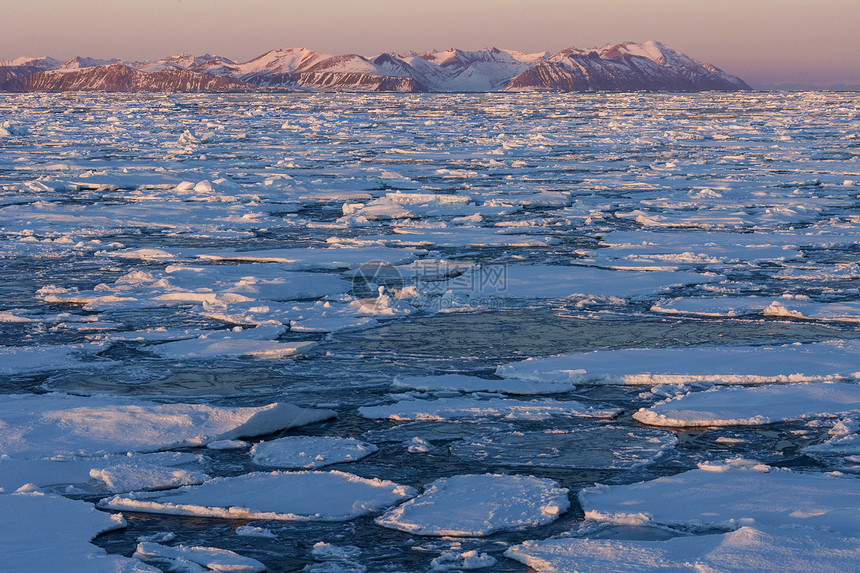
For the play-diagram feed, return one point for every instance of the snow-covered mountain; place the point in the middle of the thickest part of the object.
(620, 67)
(122, 78)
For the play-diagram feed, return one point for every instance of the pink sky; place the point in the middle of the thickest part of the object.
(766, 42)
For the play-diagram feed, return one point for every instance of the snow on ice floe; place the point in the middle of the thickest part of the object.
(251, 342)
(729, 495)
(207, 558)
(254, 531)
(844, 440)
(285, 496)
(53, 533)
(332, 258)
(603, 447)
(786, 306)
(463, 383)
(763, 549)
(309, 452)
(720, 364)
(509, 409)
(779, 520)
(44, 426)
(744, 406)
(16, 359)
(455, 560)
(117, 472)
(475, 505)
(130, 477)
(335, 559)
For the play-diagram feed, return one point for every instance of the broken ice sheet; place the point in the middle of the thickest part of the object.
(15, 360)
(785, 307)
(771, 549)
(211, 558)
(146, 471)
(600, 447)
(476, 505)
(253, 342)
(129, 477)
(285, 496)
(731, 494)
(48, 425)
(53, 533)
(509, 409)
(844, 439)
(720, 364)
(745, 406)
(779, 519)
(309, 451)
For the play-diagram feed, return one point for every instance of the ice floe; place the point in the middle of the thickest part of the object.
(778, 520)
(474, 505)
(285, 496)
(510, 409)
(237, 342)
(142, 471)
(748, 548)
(309, 451)
(42, 426)
(128, 477)
(721, 364)
(42, 532)
(744, 406)
(729, 495)
(15, 360)
(785, 307)
(844, 439)
(209, 558)
(462, 561)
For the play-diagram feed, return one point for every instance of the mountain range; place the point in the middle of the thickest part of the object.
(630, 66)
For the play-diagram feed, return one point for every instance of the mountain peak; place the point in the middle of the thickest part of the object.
(626, 66)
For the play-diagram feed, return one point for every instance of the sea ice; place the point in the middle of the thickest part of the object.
(254, 531)
(129, 477)
(744, 406)
(16, 360)
(476, 505)
(510, 409)
(43, 532)
(844, 440)
(730, 495)
(211, 558)
(238, 342)
(721, 364)
(749, 548)
(63, 470)
(50, 425)
(461, 561)
(309, 451)
(286, 496)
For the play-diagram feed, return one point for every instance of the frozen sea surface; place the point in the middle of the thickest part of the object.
(489, 293)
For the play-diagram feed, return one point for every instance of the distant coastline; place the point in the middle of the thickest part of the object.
(647, 66)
